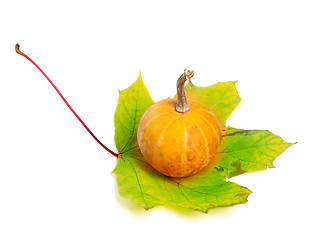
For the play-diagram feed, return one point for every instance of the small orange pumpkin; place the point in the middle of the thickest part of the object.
(176, 138)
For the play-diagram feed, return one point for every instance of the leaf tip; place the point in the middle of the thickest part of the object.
(245, 194)
(290, 144)
(139, 75)
(271, 164)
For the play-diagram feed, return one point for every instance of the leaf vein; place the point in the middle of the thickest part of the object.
(139, 184)
(263, 145)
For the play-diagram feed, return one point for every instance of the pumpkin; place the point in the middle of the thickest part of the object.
(178, 136)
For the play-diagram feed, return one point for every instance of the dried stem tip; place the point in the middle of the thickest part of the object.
(182, 105)
(17, 48)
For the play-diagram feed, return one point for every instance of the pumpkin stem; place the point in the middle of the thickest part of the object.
(182, 105)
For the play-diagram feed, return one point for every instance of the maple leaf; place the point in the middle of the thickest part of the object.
(240, 151)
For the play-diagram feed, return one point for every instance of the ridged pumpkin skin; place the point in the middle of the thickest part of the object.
(178, 144)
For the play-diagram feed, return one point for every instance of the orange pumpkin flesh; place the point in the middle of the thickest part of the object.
(178, 144)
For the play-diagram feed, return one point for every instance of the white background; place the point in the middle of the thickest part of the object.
(56, 181)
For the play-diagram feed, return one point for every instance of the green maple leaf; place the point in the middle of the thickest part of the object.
(243, 150)
(132, 104)
(222, 98)
(240, 151)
